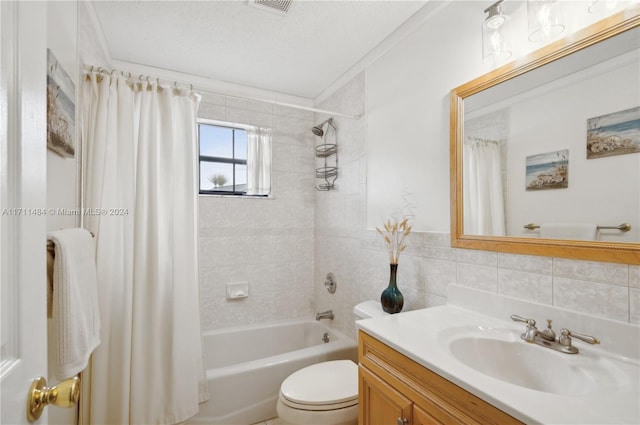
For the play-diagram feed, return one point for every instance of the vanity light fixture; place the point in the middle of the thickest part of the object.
(496, 43)
(545, 20)
(601, 6)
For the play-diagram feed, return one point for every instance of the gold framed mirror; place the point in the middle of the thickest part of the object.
(616, 37)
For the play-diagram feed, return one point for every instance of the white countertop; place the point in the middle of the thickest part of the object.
(422, 336)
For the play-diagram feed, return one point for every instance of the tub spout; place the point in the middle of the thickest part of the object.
(325, 315)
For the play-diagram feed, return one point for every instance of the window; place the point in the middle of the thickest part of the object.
(223, 158)
(234, 159)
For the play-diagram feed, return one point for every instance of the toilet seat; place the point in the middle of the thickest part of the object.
(322, 386)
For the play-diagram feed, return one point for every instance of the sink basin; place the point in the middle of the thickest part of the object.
(501, 354)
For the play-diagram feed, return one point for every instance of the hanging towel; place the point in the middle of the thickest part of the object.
(75, 315)
(573, 231)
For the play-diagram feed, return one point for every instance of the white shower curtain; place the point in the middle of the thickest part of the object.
(483, 189)
(258, 161)
(140, 185)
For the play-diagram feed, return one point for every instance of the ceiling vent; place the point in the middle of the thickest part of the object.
(281, 7)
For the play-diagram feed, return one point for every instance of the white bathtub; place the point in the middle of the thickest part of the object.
(246, 365)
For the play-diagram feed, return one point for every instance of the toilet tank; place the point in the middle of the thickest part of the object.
(368, 309)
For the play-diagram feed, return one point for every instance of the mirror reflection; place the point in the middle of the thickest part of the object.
(554, 153)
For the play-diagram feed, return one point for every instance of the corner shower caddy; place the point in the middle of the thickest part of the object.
(329, 153)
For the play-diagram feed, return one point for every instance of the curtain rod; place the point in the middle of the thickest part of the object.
(89, 68)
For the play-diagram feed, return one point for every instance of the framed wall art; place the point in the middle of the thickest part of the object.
(548, 170)
(61, 110)
(617, 133)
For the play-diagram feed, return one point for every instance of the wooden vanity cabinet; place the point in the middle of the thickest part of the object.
(395, 390)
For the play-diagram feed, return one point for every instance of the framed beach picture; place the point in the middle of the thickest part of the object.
(61, 109)
(614, 134)
(548, 170)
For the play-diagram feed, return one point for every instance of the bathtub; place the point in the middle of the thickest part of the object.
(246, 365)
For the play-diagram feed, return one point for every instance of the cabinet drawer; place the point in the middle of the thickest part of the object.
(439, 398)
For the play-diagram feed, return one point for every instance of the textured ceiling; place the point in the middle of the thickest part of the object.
(299, 54)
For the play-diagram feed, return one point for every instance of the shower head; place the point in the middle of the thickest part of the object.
(317, 129)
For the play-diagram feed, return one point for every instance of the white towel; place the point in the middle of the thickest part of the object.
(75, 314)
(572, 231)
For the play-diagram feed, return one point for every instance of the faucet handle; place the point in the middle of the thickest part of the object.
(566, 334)
(330, 283)
(530, 333)
(529, 322)
(565, 340)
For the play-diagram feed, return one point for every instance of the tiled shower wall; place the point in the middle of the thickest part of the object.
(265, 242)
(359, 261)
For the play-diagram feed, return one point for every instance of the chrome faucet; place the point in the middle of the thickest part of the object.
(548, 338)
(325, 315)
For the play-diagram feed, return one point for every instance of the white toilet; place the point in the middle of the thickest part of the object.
(325, 393)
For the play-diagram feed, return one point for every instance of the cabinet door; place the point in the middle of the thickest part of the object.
(421, 417)
(381, 404)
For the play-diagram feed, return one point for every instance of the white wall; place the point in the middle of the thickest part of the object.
(92, 47)
(408, 115)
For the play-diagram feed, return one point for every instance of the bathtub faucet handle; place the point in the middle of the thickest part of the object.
(325, 315)
(330, 283)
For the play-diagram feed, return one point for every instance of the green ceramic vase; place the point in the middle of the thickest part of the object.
(391, 298)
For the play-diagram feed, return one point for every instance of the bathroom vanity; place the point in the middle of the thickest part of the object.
(465, 362)
(396, 389)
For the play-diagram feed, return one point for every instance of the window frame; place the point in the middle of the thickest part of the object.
(221, 160)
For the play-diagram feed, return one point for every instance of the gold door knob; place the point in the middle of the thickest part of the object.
(65, 394)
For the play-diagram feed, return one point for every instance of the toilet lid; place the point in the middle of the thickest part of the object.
(322, 384)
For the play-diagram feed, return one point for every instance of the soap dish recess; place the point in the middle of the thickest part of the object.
(237, 290)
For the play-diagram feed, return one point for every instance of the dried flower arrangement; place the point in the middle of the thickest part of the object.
(394, 236)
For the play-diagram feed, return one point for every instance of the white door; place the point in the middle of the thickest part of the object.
(23, 354)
